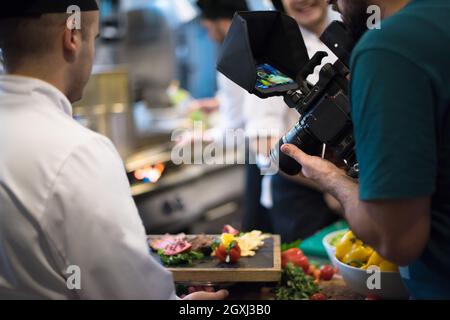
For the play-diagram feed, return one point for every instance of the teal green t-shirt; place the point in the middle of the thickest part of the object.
(401, 111)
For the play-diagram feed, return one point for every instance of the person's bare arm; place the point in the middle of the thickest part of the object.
(301, 179)
(202, 295)
(208, 105)
(397, 229)
(333, 204)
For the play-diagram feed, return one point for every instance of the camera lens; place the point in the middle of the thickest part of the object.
(300, 137)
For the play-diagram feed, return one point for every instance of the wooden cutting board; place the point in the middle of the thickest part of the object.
(265, 266)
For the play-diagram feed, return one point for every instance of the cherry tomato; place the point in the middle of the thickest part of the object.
(293, 251)
(234, 254)
(326, 273)
(303, 263)
(294, 256)
(319, 296)
(221, 253)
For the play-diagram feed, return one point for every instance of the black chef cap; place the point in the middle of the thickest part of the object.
(218, 9)
(278, 4)
(36, 8)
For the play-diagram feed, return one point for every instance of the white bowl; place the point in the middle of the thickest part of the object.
(391, 285)
(331, 250)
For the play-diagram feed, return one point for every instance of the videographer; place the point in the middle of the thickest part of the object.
(400, 96)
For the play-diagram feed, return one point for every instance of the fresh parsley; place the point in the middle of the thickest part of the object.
(295, 285)
(186, 258)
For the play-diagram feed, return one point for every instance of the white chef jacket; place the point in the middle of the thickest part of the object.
(65, 201)
(273, 113)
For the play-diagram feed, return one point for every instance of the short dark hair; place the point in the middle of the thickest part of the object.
(24, 37)
(30, 35)
(221, 9)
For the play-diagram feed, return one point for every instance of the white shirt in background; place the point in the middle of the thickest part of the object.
(274, 114)
(231, 98)
(65, 201)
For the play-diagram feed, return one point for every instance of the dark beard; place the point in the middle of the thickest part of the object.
(355, 17)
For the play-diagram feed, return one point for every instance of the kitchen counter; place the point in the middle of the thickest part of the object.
(335, 289)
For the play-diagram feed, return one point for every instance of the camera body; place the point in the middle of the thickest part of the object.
(325, 120)
(273, 39)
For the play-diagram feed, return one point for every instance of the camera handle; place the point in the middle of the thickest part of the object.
(312, 64)
(307, 70)
(292, 98)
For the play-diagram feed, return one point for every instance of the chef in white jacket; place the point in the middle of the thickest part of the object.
(296, 210)
(69, 227)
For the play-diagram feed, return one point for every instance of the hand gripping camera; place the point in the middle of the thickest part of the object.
(264, 53)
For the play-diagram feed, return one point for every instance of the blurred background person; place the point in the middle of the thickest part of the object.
(296, 208)
(216, 17)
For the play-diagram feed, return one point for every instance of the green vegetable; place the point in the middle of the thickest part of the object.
(295, 285)
(197, 116)
(335, 240)
(287, 246)
(186, 258)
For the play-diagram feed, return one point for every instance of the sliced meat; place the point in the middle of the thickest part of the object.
(202, 242)
(179, 246)
(165, 241)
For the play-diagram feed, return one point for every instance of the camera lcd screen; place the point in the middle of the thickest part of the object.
(269, 79)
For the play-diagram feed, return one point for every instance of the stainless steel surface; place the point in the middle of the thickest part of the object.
(198, 199)
(105, 108)
(150, 51)
(190, 198)
(154, 155)
(145, 55)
